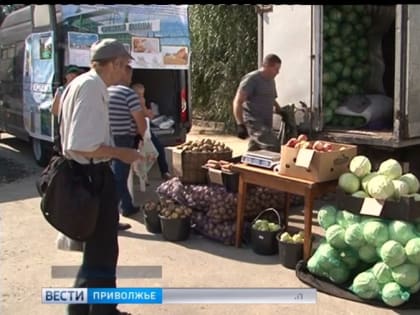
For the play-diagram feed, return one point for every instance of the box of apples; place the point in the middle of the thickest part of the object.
(317, 161)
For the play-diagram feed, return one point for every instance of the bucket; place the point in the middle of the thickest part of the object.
(290, 253)
(175, 229)
(152, 221)
(264, 242)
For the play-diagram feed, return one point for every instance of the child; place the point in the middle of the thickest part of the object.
(163, 165)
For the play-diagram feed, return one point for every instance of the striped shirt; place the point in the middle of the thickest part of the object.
(122, 101)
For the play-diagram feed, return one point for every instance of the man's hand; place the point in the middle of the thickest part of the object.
(128, 155)
(241, 131)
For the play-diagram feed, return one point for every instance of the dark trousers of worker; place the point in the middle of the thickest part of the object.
(121, 171)
(100, 254)
(163, 165)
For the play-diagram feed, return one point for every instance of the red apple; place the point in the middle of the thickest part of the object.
(292, 142)
(327, 147)
(302, 137)
(318, 145)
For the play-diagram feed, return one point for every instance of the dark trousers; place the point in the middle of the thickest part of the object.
(100, 254)
(163, 165)
(121, 171)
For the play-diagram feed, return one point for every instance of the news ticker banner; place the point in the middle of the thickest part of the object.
(178, 296)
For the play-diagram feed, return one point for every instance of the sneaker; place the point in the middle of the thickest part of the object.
(123, 226)
(166, 176)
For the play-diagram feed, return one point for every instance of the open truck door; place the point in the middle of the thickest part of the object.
(295, 31)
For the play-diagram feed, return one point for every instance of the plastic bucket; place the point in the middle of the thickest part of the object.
(175, 229)
(264, 242)
(152, 221)
(290, 253)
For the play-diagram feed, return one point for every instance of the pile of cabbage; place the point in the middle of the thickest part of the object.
(386, 183)
(380, 258)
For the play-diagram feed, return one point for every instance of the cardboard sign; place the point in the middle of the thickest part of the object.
(177, 162)
(304, 157)
(215, 176)
(372, 206)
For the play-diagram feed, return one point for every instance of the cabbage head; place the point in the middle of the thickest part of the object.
(393, 253)
(345, 218)
(406, 275)
(415, 288)
(367, 253)
(401, 231)
(354, 236)
(380, 187)
(328, 257)
(350, 258)
(327, 216)
(412, 250)
(375, 233)
(339, 275)
(335, 236)
(365, 285)
(382, 272)
(412, 182)
(391, 168)
(365, 180)
(360, 194)
(401, 188)
(349, 182)
(392, 294)
(360, 166)
(314, 266)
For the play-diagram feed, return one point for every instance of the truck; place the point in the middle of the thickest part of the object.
(37, 42)
(313, 39)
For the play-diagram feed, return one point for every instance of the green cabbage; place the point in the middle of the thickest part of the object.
(392, 253)
(382, 272)
(412, 182)
(375, 233)
(339, 275)
(380, 187)
(391, 168)
(327, 216)
(328, 257)
(406, 275)
(360, 166)
(412, 250)
(350, 258)
(345, 218)
(360, 194)
(366, 179)
(354, 236)
(415, 288)
(393, 295)
(335, 236)
(365, 285)
(349, 182)
(313, 265)
(401, 231)
(401, 188)
(367, 253)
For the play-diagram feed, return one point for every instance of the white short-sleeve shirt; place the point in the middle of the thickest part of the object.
(85, 121)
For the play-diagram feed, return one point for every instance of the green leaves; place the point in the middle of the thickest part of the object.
(224, 48)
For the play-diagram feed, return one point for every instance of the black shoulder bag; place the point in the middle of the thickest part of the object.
(69, 201)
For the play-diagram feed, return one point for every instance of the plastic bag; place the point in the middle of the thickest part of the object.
(66, 243)
(149, 153)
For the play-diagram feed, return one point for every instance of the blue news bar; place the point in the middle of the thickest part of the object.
(178, 296)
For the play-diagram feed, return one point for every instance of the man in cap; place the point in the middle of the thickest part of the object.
(86, 139)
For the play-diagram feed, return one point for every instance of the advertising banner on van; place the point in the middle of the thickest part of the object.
(38, 74)
(157, 36)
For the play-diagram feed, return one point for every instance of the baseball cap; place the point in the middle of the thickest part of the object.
(108, 48)
(73, 69)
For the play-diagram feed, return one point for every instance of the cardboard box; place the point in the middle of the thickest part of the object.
(221, 177)
(406, 209)
(316, 166)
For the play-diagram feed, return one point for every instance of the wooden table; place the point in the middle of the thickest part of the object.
(269, 179)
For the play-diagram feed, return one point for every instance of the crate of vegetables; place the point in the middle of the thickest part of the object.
(386, 192)
(318, 161)
(220, 172)
(188, 159)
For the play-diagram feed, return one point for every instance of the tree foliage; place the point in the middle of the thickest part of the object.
(224, 48)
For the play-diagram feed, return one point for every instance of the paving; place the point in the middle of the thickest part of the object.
(28, 252)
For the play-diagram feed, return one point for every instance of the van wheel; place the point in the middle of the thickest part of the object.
(40, 152)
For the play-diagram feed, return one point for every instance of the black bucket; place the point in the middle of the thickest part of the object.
(265, 242)
(175, 229)
(152, 221)
(290, 253)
